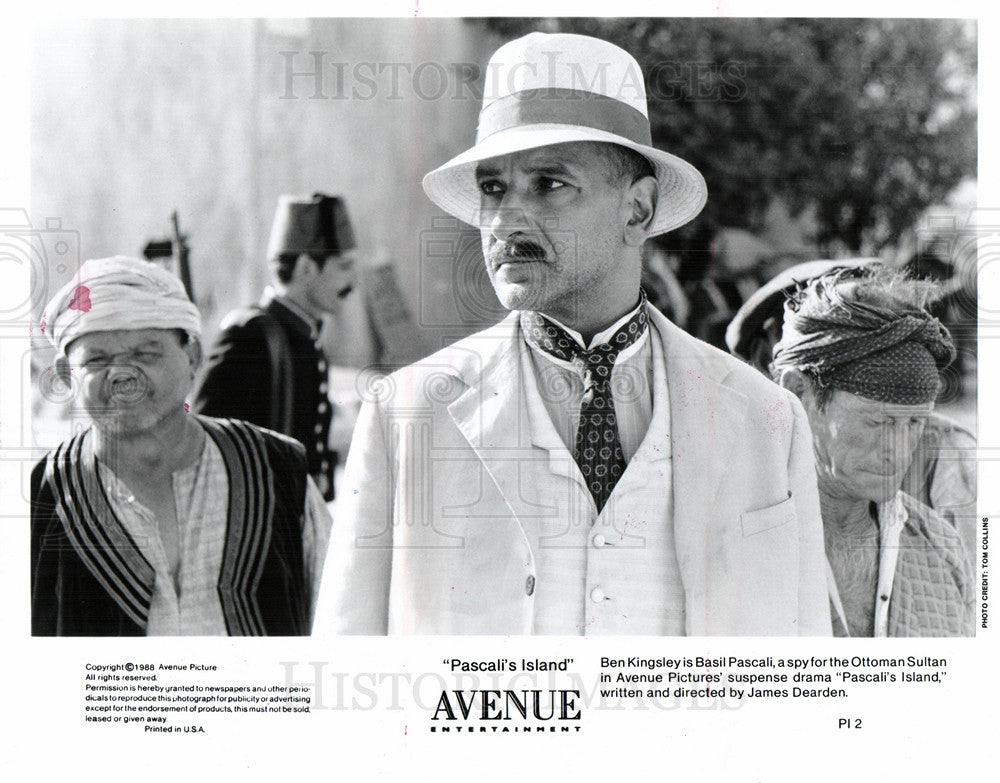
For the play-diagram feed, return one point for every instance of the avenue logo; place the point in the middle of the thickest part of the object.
(506, 711)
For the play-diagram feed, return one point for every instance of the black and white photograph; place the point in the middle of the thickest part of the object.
(482, 360)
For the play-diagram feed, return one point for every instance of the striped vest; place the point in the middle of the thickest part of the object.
(89, 578)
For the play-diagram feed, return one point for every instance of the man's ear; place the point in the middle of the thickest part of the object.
(194, 353)
(305, 268)
(796, 382)
(640, 200)
(62, 370)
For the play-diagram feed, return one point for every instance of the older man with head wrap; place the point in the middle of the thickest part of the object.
(864, 355)
(155, 521)
(942, 474)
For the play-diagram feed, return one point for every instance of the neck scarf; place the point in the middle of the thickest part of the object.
(597, 450)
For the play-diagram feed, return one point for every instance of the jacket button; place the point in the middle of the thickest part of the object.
(599, 541)
(597, 595)
(529, 585)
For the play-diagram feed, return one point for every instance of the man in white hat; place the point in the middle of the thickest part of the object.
(155, 521)
(583, 467)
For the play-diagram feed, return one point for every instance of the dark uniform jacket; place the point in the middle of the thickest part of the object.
(266, 368)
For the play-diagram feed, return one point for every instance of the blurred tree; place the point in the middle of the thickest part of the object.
(866, 121)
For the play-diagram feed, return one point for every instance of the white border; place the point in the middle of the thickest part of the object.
(908, 735)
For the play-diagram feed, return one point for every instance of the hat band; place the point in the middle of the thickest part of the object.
(561, 106)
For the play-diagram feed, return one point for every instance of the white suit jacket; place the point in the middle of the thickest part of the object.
(429, 534)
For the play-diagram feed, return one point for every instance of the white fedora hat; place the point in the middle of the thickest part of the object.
(550, 89)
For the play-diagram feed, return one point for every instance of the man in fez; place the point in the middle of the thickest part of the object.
(155, 521)
(267, 365)
(584, 466)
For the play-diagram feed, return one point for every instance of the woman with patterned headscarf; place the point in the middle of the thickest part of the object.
(864, 355)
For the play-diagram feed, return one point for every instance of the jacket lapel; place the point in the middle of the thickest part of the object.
(492, 415)
(702, 413)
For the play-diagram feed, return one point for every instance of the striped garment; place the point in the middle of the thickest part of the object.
(98, 568)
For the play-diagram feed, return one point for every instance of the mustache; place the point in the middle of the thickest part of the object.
(515, 249)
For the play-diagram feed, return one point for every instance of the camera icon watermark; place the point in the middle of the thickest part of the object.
(961, 249)
(455, 290)
(462, 288)
(49, 254)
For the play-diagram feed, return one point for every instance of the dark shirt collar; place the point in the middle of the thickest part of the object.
(605, 334)
(297, 319)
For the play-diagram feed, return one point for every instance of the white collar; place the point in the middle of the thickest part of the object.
(892, 517)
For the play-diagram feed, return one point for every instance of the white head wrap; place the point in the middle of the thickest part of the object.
(119, 293)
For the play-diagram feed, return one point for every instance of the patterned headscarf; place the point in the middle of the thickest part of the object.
(119, 293)
(884, 347)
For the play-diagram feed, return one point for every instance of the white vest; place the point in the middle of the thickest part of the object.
(615, 572)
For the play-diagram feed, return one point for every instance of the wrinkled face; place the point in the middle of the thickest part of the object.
(863, 448)
(331, 284)
(132, 380)
(552, 227)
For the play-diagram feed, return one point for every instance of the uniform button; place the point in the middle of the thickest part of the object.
(318, 429)
(322, 388)
(529, 585)
(322, 407)
(324, 465)
(599, 541)
(321, 366)
(320, 447)
(597, 595)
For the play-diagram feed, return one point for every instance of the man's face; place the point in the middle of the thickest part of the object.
(552, 227)
(863, 448)
(133, 380)
(331, 284)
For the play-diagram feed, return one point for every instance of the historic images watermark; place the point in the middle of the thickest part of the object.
(318, 75)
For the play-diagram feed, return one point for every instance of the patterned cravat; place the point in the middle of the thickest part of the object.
(598, 450)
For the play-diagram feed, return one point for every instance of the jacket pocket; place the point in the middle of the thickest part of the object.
(754, 522)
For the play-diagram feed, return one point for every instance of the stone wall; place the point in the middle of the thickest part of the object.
(132, 119)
